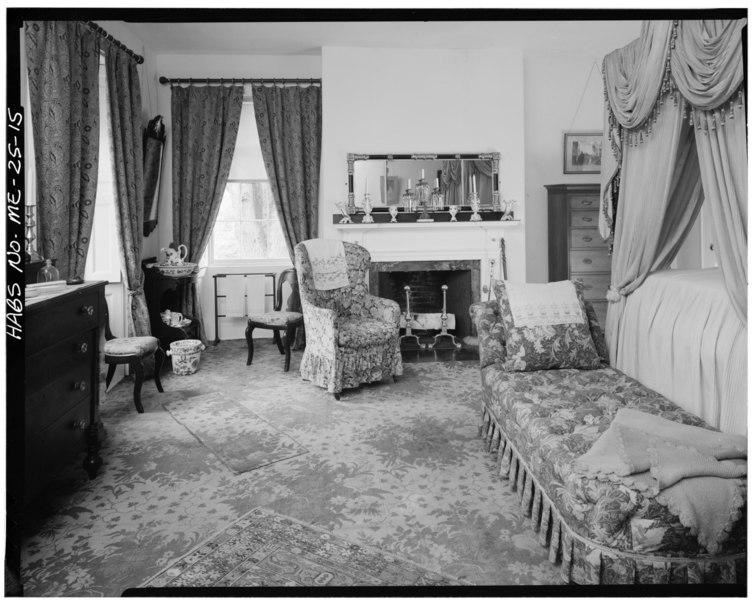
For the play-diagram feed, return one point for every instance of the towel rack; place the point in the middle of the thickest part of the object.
(215, 283)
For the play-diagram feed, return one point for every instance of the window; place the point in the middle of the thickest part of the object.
(247, 227)
(103, 257)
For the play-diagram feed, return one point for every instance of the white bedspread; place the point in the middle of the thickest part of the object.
(680, 337)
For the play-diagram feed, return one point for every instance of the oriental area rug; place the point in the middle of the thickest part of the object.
(238, 437)
(267, 549)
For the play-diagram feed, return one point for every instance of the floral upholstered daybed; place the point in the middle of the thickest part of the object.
(549, 400)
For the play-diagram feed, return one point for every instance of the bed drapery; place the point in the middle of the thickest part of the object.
(674, 134)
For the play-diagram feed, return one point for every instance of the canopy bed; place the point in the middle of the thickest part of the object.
(675, 136)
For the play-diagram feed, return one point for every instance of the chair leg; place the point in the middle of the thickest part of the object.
(249, 344)
(159, 357)
(337, 396)
(110, 372)
(290, 335)
(139, 370)
(277, 337)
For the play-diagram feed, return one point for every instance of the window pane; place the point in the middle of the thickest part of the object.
(247, 226)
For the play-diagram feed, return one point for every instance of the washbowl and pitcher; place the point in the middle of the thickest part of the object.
(174, 265)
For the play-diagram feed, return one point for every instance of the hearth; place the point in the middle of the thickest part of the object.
(426, 278)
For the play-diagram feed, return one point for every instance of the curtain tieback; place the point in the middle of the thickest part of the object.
(613, 294)
(136, 291)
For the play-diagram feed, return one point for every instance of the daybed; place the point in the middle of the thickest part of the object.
(603, 531)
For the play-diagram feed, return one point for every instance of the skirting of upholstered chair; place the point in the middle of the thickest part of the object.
(132, 351)
(352, 335)
(286, 321)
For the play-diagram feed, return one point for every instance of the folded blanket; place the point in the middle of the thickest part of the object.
(699, 474)
(328, 260)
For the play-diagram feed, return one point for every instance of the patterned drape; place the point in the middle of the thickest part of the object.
(63, 62)
(125, 118)
(652, 187)
(204, 124)
(289, 123)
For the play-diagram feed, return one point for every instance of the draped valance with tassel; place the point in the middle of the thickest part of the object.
(699, 63)
(674, 134)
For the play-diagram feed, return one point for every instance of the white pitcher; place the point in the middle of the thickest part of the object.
(175, 257)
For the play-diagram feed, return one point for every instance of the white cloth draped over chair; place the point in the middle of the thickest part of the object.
(675, 133)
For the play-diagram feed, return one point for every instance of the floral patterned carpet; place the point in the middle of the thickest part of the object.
(397, 466)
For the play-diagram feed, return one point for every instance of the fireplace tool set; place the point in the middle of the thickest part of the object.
(428, 321)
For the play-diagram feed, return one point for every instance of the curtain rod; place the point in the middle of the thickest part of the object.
(97, 29)
(234, 80)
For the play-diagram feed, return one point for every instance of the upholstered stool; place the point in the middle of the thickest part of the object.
(278, 320)
(132, 351)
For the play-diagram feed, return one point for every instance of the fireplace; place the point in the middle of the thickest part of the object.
(425, 277)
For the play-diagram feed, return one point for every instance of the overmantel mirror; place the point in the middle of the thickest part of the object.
(423, 188)
(387, 178)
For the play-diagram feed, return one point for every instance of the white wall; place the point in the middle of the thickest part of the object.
(391, 100)
(553, 88)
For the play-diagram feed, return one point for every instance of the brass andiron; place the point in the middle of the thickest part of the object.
(444, 325)
(408, 319)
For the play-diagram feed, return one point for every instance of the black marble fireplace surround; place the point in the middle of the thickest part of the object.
(387, 280)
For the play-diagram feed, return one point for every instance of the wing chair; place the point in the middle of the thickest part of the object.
(352, 336)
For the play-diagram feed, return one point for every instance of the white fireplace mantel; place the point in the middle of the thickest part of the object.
(463, 240)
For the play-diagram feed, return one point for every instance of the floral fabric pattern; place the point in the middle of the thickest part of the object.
(280, 318)
(64, 88)
(561, 346)
(538, 422)
(340, 354)
(289, 123)
(204, 125)
(128, 164)
(131, 345)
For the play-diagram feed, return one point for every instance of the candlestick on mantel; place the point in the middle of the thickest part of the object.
(423, 173)
(474, 185)
(409, 183)
(365, 185)
(436, 183)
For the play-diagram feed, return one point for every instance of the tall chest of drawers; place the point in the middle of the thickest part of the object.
(575, 248)
(61, 404)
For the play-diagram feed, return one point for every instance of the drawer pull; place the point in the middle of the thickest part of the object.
(586, 202)
(587, 238)
(80, 385)
(587, 261)
(87, 310)
(80, 424)
(587, 219)
(82, 348)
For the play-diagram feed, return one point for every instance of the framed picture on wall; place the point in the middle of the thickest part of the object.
(582, 151)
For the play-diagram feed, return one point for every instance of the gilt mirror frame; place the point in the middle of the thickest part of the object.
(351, 158)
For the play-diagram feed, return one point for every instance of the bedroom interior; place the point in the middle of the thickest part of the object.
(518, 249)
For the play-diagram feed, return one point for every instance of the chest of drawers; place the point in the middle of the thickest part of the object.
(61, 403)
(575, 248)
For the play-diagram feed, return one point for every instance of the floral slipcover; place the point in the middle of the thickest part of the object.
(538, 422)
(352, 336)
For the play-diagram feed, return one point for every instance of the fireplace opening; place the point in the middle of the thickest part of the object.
(426, 278)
